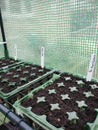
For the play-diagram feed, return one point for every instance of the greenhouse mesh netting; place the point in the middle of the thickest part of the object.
(68, 29)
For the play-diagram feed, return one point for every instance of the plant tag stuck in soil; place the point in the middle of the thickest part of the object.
(91, 67)
(15, 52)
(42, 57)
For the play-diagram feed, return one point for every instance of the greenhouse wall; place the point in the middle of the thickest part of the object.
(68, 29)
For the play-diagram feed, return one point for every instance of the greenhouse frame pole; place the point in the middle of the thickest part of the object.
(3, 36)
(14, 118)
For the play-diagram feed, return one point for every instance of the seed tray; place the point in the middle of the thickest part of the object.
(7, 63)
(20, 94)
(66, 103)
(17, 78)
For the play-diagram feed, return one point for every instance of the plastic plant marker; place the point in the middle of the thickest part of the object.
(66, 96)
(15, 76)
(40, 99)
(81, 104)
(60, 84)
(11, 84)
(72, 116)
(4, 80)
(67, 78)
(94, 86)
(15, 51)
(52, 91)
(73, 89)
(54, 106)
(88, 94)
(42, 56)
(91, 67)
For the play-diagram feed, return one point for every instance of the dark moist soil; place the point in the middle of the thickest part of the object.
(9, 126)
(59, 117)
(5, 62)
(15, 77)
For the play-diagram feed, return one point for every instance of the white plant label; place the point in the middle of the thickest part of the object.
(15, 52)
(91, 67)
(42, 56)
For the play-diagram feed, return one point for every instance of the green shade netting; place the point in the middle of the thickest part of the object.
(68, 29)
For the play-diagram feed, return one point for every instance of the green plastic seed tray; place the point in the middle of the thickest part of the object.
(65, 102)
(7, 63)
(41, 120)
(19, 77)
